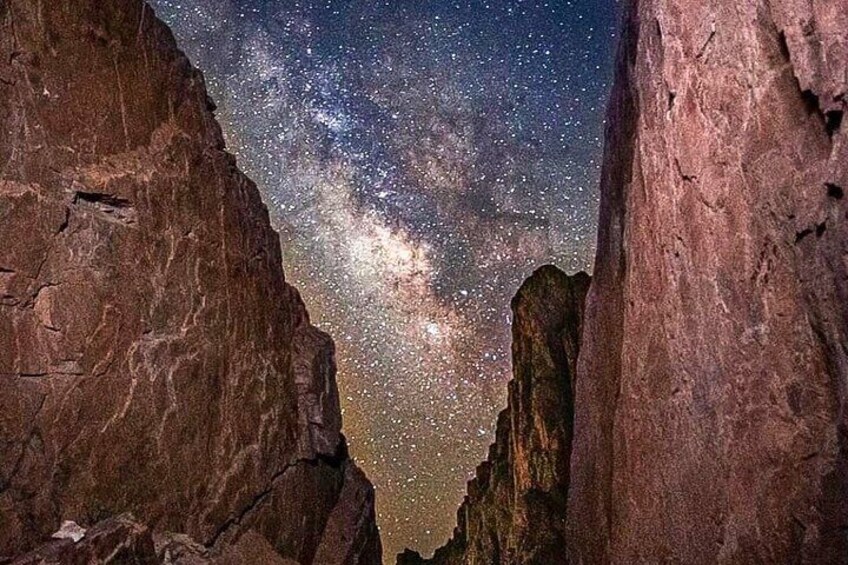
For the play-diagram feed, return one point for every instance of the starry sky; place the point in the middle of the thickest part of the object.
(420, 159)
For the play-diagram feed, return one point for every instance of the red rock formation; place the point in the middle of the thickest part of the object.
(710, 420)
(515, 508)
(152, 357)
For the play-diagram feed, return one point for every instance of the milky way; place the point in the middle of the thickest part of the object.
(419, 159)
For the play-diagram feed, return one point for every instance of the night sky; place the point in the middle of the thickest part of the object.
(420, 159)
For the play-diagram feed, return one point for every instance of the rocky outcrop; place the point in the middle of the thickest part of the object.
(153, 359)
(515, 508)
(710, 422)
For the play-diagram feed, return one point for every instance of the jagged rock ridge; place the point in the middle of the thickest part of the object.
(153, 359)
(515, 508)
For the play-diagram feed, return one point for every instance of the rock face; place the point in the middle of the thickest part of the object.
(515, 508)
(710, 422)
(152, 357)
(116, 540)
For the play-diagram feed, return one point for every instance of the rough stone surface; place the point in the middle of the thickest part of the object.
(710, 422)
(122, 540)
(152, 357)
(119, 540)
(179, 549)
(352, 526)
(514, 512)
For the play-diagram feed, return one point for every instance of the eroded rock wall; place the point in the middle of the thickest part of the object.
(153, 358)
(710, 420)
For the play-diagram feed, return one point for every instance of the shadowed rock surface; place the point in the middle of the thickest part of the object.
(153, 359)
(515, 508)
(710, 422)
(117, 540)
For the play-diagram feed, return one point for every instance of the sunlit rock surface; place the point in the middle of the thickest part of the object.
(153, 359)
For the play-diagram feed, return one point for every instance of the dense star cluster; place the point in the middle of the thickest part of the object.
(420, 159)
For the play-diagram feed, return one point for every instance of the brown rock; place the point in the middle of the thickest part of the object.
(710, 420)
(152, 357)
(252, 548)
(515, 509)
(119, 541)
(351, 535)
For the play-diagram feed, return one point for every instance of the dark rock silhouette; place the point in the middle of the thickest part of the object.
(515, 508)
(153, 359)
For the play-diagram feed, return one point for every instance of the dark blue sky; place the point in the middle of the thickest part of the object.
(420, 159)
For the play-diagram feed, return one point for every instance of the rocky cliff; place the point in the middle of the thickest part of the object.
(153, 359)
(515, 508)
(710, 393)
(710, 419)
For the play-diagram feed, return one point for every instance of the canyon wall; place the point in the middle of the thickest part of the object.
(709, 419)
(515, 508)
(710, 422)
(153, 358)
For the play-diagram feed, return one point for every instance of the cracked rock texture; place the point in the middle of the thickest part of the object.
(515, 508)
(710, 419)
(153, 359)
